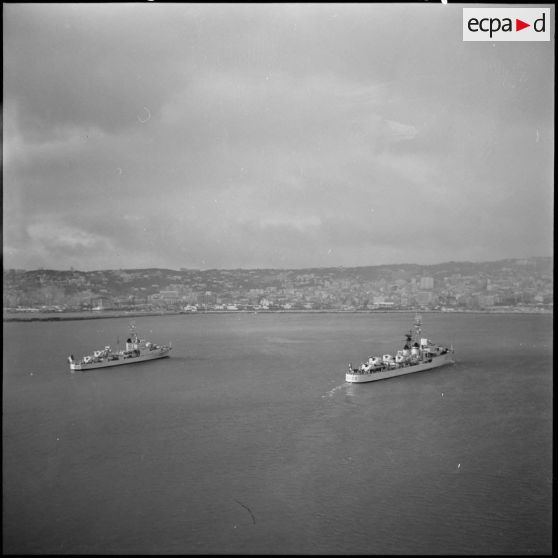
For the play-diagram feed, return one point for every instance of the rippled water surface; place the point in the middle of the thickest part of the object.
(248, 440)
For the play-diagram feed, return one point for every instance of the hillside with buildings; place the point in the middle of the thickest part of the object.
(511, 284)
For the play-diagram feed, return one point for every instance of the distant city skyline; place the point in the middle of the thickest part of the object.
(270, 136)
(451, 286)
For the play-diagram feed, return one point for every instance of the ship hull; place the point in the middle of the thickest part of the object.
(120, 362)
(361, 377)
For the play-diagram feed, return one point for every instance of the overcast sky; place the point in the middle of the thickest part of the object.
(271, 135)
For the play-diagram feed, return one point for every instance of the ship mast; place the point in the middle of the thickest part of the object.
(417, 327)
(133, 334)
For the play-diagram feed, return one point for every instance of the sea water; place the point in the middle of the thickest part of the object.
(248, 440)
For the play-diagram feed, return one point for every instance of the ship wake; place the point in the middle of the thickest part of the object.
(333, 391)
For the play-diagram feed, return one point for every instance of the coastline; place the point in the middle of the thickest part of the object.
(33, 317)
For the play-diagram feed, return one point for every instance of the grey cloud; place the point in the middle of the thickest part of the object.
(278, 135)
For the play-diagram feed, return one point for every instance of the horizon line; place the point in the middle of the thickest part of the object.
(182, 269)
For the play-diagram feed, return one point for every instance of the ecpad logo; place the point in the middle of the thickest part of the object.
(506, 24)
